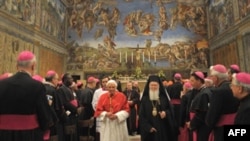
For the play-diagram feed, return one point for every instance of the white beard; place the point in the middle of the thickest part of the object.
(154, 95)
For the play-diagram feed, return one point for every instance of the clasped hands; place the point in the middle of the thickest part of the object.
(162, 114)
(111, 116)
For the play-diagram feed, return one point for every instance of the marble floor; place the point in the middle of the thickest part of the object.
(135, 138)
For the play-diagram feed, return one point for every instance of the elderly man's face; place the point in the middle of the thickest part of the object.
(153, 86)
(111, 88)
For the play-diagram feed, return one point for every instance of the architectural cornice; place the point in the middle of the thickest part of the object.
(30, 33)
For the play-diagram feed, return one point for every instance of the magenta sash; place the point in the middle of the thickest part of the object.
(184, 134)
(74, 102)
(226, 119)
(46, 135)
(18, 122)
(175, 101)
(192, 114)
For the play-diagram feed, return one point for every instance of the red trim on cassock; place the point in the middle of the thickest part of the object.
(175, 101)
(74, 102)
(226, 119)
(18, 122)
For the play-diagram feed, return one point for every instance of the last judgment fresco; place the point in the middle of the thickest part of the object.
(125, 34)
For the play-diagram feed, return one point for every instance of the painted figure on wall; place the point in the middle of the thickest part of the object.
(221, 16)
(49, 15)
(106, 34)
(244, 7)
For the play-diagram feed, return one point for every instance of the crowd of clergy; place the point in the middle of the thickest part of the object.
(58, 108)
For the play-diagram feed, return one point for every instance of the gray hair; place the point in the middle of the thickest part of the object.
(246, 87)
(26, 64)
(221, 76)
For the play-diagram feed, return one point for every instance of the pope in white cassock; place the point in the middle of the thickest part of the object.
(113, 110)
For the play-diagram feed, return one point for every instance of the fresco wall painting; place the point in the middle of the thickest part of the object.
(47, 16)
(246, 44)
(109, 35)
(10, 47)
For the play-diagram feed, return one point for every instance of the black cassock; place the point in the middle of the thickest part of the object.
(174, 94)
(199, 107)
(88, 112)
(222, 102)
(24, 100)
(243, 113)
(184, 108)
(69, 122)
(166, 128)
(56, 110)
(132, 95)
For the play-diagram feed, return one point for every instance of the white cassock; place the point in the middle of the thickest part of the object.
(114, 130)
(96, 97)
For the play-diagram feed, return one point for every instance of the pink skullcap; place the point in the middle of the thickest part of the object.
(5, 75)
(243, 78)
(50, 73)
(199, 74)
(188, 85)
(79, 83)
(91, 79)
(177, 75)
(97, 80)
(235, 67)
(25, 56)
(219, 68)
(38, 78)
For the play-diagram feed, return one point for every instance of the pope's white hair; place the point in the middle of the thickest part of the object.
(220, 75)
(112, 82)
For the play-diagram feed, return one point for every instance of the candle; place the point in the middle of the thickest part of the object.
(143, 57)
(120, 57)
(155, 56)
(149, 56)
(126, 57)
(132, 57)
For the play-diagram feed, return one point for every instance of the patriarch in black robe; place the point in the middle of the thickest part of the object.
(157, 122)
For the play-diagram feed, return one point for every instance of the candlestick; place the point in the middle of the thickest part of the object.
(143, 57)
(149, 56)
(155, 56)
(126, 57)
(120, 56)
(132, 57)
